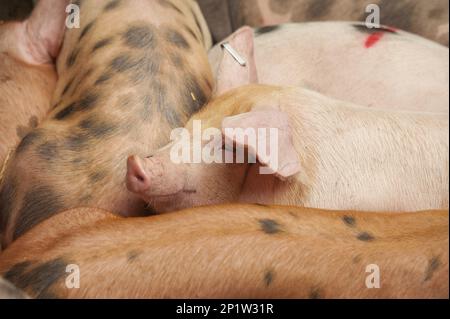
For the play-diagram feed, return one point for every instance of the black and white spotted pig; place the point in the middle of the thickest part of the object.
(426, 18)
(133, 71)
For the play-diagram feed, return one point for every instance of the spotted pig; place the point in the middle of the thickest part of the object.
(132, 72)
(234, 251)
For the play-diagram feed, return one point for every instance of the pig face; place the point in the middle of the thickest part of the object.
(167, 186)
(217, 161)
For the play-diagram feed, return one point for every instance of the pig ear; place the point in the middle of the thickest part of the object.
(231, 73)
(45, 29)
(279, 157)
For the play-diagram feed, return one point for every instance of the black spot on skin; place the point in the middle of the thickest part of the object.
(39, 203)
(349, 221)
(365, 236)
(177, 39)
(97, 127)
(87, 102)
(48, 150)
(28, 141)
(122, 63)
(98, 176)
(101, 44)
(177, 60)
(268, 278)
(67, 87)
(140, 37)
(8, 194)
(16, 271)
(364, 29)
(78, 141)
(33, 122)
(39, 279)
(315, 293)
(270, 226)
(168, 4)
(132, 255)
(267, 29)
(66, 112)
(318, 9)
(72, 58)
(86, 30)
(193, 96)
(112, 5)
(103, 78)
(433, 265)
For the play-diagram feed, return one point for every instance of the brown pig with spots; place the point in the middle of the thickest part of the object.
(27, 71)
(426, 18)
(326, 153)
(378, 68)
(132, 72)
(236, 251)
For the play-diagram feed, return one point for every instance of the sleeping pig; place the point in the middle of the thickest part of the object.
(326, 153)
(132, 72)
(27, 71)
(27, 76)
(382, 68)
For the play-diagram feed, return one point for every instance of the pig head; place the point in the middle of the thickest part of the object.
(166, 184)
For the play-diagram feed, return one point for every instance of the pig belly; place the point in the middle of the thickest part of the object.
(392, 71)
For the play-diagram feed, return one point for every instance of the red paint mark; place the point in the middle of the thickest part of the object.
(373, 39)
(376, 36)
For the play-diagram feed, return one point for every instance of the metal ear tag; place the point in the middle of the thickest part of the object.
(239, 59)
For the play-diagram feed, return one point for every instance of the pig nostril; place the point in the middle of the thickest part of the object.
(140, 178)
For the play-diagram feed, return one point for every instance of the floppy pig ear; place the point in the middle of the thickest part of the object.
(231, 73)
(45, 29)
(278, 154)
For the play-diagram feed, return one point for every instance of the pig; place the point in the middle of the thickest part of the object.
(8, 291)
(27, 71)
(134, 66)
(382, 68)
(27, 74)
(233, 251)
(426, 18)
(328, 154)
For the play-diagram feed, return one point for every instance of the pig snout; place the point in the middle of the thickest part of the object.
(137, 178)
(152, 177)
